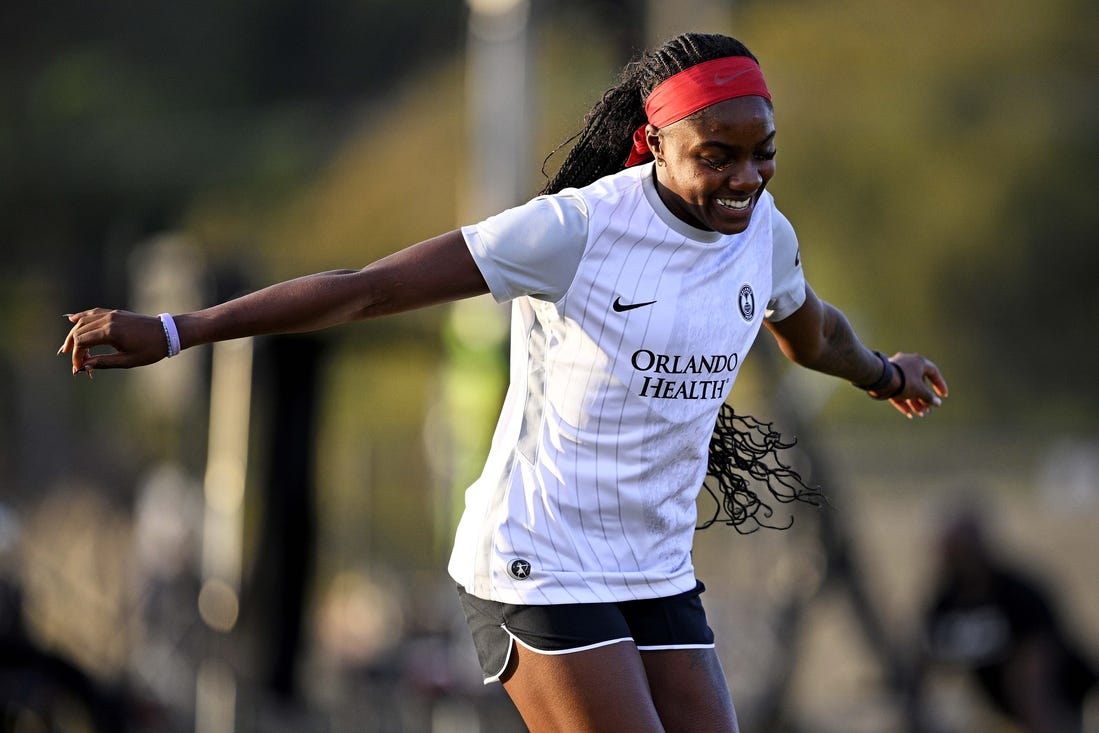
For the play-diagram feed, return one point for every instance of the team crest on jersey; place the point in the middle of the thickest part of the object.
(519, 569)
(746, 299)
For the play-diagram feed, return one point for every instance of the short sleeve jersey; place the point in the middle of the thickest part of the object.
(628, 330)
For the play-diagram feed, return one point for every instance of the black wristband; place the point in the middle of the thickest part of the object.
(886, 377)
(897, 391)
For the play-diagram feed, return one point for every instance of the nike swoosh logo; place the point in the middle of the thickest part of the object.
(620, 307)
(722, 80)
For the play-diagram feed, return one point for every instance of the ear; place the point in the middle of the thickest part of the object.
(655, 142)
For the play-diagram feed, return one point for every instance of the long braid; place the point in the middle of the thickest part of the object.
(603, 143)
(744, 453)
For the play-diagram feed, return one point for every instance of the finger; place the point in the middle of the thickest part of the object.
(87, 331)
(938, 383)
(930, 399)
(929, 375)
(916, 394)
(912, 407)
(70, 342)
(902, 407)
(65, 344)
(924, 407)
(91, 329)
(80, 341)
(932, 374)
(70, 338)
(116, 360)
(85, 314)
(80, 359)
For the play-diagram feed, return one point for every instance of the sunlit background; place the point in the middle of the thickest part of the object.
(253, 537)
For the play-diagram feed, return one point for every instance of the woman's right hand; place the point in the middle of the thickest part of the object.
(137, 340)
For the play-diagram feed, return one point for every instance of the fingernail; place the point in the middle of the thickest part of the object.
(67, 315)
(61, 349)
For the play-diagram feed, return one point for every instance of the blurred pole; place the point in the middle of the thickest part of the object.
(222, 531)
(215, 697)
(291, 373)
(226, 469)
(168, 273)
(498, 99)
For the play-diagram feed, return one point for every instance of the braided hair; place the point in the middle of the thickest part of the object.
(602, 145)
(743, 448)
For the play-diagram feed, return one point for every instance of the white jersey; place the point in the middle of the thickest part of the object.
(628, 330)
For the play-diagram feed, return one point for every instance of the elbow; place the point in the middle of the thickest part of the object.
(365, 295)
(806, 354)
(805, 344)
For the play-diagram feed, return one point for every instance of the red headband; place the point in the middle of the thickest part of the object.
(697, 88)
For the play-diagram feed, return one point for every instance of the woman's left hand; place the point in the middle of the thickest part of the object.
(924, 386)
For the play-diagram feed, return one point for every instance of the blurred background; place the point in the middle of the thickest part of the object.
(253, 537)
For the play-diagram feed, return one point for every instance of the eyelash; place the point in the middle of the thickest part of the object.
(722, 165)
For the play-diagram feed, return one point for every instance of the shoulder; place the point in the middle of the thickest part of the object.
(785, 238)
(615, 185)
(561, 213)
(787, 276)
(531, 249)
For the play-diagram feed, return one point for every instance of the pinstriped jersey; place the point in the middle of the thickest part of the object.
(628, 330)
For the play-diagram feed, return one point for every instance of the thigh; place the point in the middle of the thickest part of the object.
(689, 690)
(600, 689)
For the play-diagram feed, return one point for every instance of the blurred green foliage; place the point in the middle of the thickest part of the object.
(943, 155)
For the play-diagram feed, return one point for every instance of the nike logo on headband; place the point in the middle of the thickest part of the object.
(723, 80)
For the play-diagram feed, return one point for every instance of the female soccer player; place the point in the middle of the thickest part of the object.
(638, 282)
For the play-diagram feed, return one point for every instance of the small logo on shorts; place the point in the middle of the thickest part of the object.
(519, 569)
(747, 301)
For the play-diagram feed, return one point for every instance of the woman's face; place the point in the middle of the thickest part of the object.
(713, 166)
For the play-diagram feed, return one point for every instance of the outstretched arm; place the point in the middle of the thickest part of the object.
(434, 271)
(818, 336)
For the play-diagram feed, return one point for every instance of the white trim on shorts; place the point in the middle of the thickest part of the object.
(668, 647)
(596, 645)
(547, 652)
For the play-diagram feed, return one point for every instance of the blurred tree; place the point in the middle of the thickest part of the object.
(114, 117)
(935, 159)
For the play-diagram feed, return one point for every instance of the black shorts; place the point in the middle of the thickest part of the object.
(674, 622)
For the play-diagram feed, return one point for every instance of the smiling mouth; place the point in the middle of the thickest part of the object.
(735, 204)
